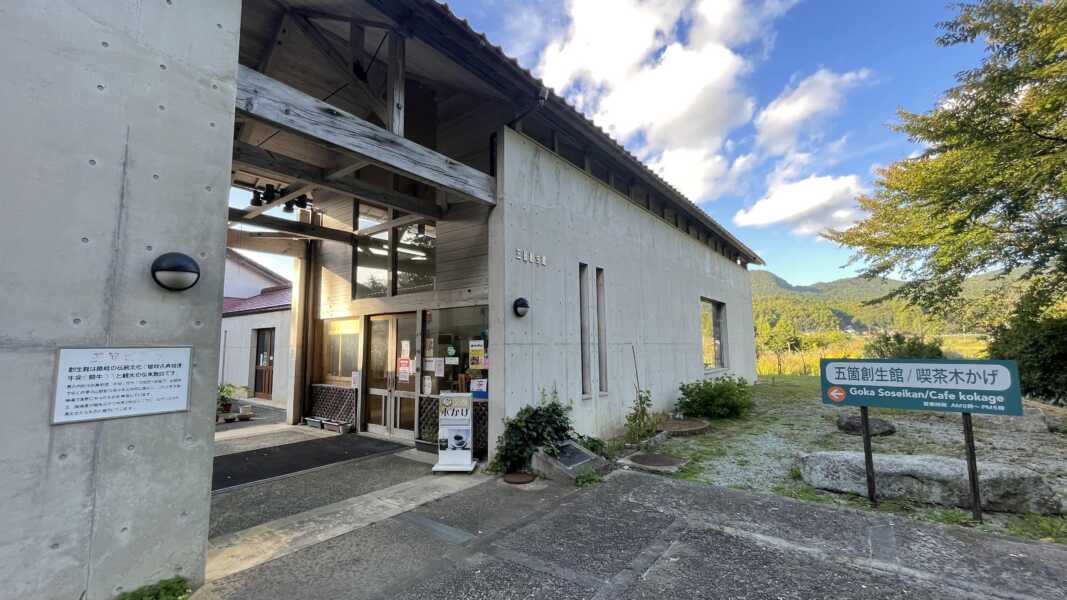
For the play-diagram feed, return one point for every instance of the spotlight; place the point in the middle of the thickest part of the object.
(175, 271)
(521, 307)
(302, 202)
(288, 207)
(257, 198)
(269, 194)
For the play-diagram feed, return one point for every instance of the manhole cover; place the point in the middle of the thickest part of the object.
(656, 460)
(519, 478)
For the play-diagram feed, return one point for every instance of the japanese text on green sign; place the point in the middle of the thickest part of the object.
(986, 386)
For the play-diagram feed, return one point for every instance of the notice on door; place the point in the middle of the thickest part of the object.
(108, 383)
(403, 369)
(477, 354)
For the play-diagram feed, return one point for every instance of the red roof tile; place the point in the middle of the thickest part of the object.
(275, 298)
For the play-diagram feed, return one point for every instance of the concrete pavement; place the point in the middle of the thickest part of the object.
(638, 536)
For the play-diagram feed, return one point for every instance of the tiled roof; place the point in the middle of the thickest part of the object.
(445, 10)
(273, 298)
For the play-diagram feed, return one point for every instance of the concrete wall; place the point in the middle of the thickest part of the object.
(655, 276)
(117, 119)
(237, 365)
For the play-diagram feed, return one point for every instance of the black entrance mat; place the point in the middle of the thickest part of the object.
(255, 465)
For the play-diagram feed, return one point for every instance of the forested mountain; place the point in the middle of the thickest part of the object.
(841, 305)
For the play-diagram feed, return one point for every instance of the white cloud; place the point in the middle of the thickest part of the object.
(675, 99)
(528, 26)
(779, 124)
(810, 205)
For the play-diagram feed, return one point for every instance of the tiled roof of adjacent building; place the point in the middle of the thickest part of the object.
(270, 299)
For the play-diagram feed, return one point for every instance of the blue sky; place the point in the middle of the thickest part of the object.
(772, 114)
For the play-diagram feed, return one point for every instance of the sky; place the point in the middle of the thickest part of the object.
(772, 115)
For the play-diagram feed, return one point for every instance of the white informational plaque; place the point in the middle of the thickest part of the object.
(455, 439)
(108, 383)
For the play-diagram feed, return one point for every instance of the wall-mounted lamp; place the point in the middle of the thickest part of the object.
(175, 271)
(521, 307)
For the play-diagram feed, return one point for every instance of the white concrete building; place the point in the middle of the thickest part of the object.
(256, 317)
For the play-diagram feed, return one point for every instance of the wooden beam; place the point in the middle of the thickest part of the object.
(301, 229)
(265, 163)
(328, 16)
(386, 226)
(249, 240)
(267, 99)
(249, 127)
(366, 95)
(395, 83)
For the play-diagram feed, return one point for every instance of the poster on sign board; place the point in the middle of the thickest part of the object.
(109, 383)
(455, 433)
(477, 354)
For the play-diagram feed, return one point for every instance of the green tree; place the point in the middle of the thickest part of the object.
(899, 345)
(990, 190)
(1036, 337)
(778, 339)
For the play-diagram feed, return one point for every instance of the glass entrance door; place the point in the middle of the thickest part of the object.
(391, 400)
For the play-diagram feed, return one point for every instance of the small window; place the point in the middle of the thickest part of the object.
(712, 319)
(583, 325)
(601, 331)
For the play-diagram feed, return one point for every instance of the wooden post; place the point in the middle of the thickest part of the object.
(972, 467)
(868, 456)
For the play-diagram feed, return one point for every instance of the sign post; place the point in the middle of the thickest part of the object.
(455, 439)
(868, 456)
(965, 386)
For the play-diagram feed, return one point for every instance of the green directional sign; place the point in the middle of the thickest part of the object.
(988, 387)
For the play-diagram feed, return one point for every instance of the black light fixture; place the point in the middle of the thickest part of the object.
(269, 194)
(521, 307)
(302, 201)
(257, 198)
(175, 271)
(288, 207)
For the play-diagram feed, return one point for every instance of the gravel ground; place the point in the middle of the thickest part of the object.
(758, 453)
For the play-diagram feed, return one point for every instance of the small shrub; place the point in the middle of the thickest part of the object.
(899, 345)
(720, 398)
(534, 426)
(176, 588)
(587, 478)
(641, 423)
(592, 444)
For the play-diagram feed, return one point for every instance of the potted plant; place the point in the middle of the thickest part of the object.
(224, 402)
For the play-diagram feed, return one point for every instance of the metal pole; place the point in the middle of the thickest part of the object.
(868, 456)
(972, 467)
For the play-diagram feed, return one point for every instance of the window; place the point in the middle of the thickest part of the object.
(583, 324)
(400, 260)
(372, 255)
(447, 350)
(342, 346)
(415, 264)
(711, 333)
(601, 331)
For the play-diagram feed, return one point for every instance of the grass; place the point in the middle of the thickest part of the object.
(1039, 527)
(176, 588)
